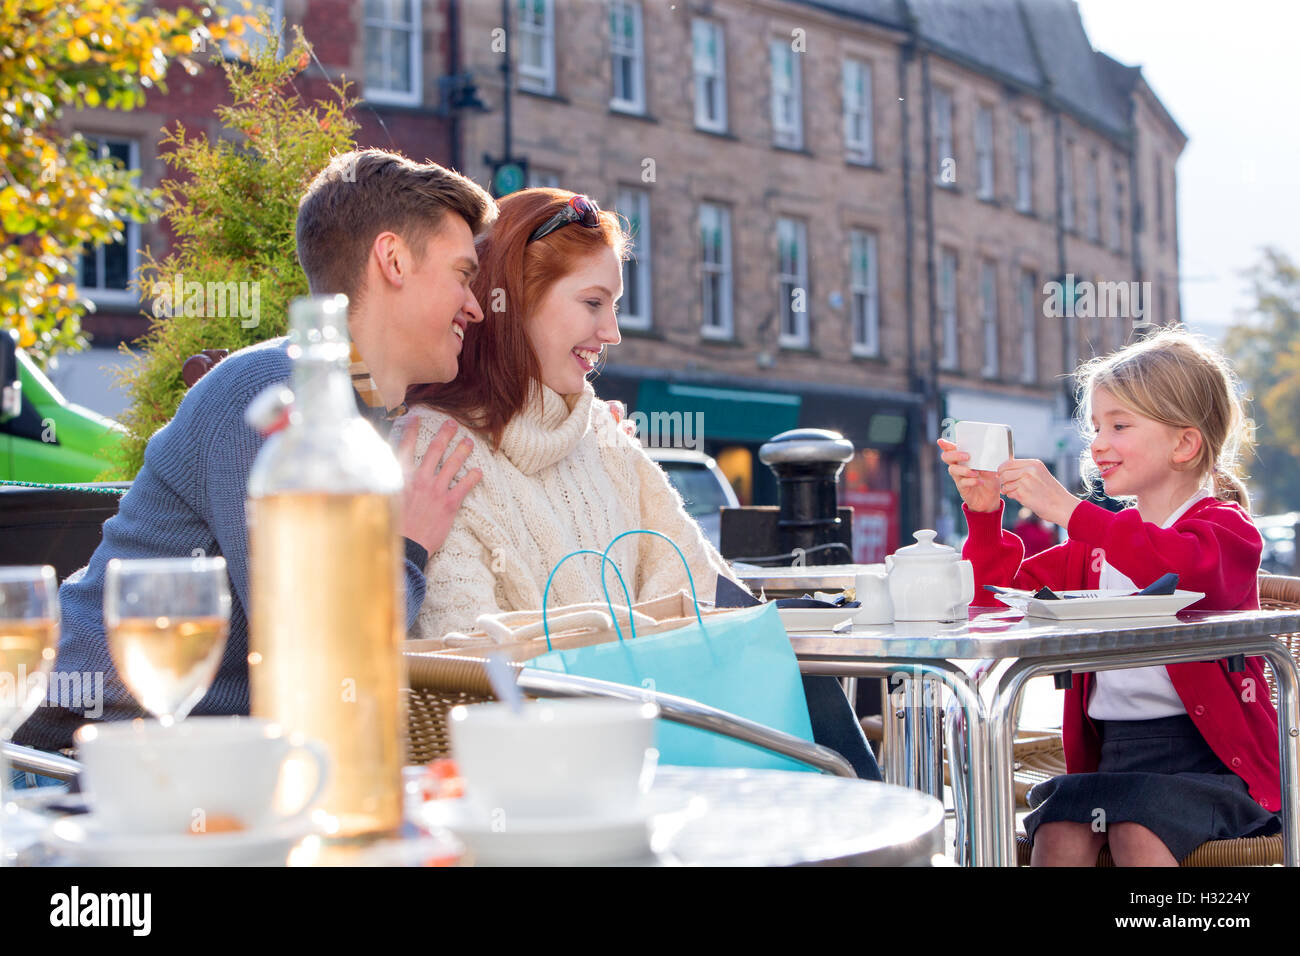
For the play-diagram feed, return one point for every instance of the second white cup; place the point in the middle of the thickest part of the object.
(586, 759)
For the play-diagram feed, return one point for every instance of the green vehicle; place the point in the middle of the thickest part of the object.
(44, 437)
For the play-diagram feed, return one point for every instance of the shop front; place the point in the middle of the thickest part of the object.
(730, 419)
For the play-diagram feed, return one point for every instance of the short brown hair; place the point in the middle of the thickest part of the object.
(360, 194)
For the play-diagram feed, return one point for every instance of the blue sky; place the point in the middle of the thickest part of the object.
(1230, 75)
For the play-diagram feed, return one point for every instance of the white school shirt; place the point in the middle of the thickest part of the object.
(1136, 693)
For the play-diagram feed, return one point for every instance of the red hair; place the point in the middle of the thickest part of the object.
(500, 370)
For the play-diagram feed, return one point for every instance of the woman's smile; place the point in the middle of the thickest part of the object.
(587, 358)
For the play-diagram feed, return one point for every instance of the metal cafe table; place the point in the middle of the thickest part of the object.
(918, 652)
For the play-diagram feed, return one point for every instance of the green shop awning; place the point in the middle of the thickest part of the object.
(728, 414)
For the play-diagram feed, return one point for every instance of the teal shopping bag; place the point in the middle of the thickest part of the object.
(739, 661)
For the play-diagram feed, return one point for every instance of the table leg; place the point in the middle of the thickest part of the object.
(1288, 723)
(1002, 728)
(979, 827)
(1006, 701)
(895, 770)
(850, 685)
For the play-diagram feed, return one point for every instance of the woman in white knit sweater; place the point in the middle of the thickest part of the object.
(555, 471)
(558, 472)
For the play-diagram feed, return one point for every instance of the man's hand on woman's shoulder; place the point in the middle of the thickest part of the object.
(433, 494)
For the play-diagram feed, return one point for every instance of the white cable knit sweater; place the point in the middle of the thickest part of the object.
(565, 477)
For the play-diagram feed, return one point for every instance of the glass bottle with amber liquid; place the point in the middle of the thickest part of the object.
(327, 614)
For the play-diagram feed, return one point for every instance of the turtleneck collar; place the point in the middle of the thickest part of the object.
(547, 429)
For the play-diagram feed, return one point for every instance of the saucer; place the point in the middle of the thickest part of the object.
(553, 841)
(83, 839)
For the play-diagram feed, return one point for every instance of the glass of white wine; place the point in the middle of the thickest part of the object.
(167, 620)
(29, 637)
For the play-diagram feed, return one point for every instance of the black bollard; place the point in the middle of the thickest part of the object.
(807, 463)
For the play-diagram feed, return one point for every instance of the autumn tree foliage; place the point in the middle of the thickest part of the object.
(56, 195)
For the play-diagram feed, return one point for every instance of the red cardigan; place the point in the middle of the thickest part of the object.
(1214, 547)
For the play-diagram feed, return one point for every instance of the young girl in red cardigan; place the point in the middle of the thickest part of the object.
(1159, 759)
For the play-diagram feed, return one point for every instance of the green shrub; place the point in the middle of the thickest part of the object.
(232, 204)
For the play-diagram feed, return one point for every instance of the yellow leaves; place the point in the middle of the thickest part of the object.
(82, 26)
(78, 52)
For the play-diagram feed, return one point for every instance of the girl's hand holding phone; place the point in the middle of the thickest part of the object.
(1029, 482)
(980, 490)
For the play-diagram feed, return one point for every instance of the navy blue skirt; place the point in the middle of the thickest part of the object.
(1162, 774)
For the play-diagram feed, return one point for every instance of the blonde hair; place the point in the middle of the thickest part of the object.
(1175, 378)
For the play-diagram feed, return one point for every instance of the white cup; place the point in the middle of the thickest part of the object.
(202, 775)
(588, 759)
(987, 444)
(872, 588)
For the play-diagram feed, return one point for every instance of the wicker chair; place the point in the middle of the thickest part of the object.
(1276, 592)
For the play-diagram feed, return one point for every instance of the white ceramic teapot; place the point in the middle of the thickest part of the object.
(929, 582)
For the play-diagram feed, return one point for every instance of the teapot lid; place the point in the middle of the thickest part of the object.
(926, 548)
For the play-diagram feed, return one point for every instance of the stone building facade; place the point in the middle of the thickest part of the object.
(849, 214)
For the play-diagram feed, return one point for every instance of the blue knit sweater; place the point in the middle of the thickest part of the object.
(188, 499)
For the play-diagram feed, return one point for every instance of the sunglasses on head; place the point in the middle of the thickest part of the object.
(579, 209)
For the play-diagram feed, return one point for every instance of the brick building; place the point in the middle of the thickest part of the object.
(848, 212)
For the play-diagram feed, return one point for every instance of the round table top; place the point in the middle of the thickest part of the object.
(712, 817)
(1006, 634)
(788, 818)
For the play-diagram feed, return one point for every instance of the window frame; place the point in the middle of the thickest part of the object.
(989, 317)
(721, 269)
(868, 287)
(858, 150)
(640, 315)
(532, 79)
(800, 338)
(984, 154)
(1069, 219)
(254, 40)
(786, 136)
(415, 95)
(542, 176)
(950, 345)
(1116, 242)
(1024, 165)
(1160, 198)
(635, 105)
(944, 147)
(718, 74)
(1093, 224)
(1028, 297)
(103, 295)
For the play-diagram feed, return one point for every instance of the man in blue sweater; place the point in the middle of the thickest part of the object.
(397, 238)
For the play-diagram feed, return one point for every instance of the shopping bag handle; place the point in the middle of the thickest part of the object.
(690, 579)
(604, 560)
